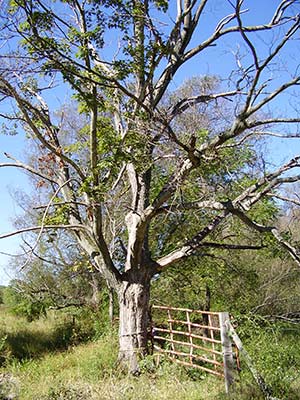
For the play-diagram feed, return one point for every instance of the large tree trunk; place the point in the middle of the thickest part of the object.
(134, 317)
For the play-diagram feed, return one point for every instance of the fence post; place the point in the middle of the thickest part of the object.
(266, 390)
(226, 350)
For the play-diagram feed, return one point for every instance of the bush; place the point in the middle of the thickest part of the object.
(22, 306)
(60, 330)
(274, 348)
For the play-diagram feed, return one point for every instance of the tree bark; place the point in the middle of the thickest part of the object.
(111, 305)
(134, 320)
(206, 308)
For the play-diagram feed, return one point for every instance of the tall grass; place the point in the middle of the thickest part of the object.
(90, 371)
(47, 360)
(22, 340)
(275, 351)
(36, 370)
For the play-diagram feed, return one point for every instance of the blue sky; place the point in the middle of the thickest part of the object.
(11, 179)
(279, 150)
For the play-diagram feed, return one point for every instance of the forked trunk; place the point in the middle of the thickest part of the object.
(134, 317)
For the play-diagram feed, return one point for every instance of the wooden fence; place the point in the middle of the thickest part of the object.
(203, 340)
(198, 339)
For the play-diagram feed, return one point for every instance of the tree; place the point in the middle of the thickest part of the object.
(51, 268)
(135, 163)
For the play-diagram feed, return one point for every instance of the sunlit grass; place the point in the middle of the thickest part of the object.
(89, 371)
(24, 340)
(43, 362)
(78, 374)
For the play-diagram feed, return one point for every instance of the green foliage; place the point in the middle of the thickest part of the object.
(43, 20)
(15, 4)
(228, 167)
(109, 143)
(265, 212)
(81, 38)
(274, 349)
(138, 152)
(2, 288)
(162, 5)
(58, 216)
(110, 156)
(21, 305)
(9, 128)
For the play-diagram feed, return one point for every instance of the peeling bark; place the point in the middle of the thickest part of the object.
(134, 318)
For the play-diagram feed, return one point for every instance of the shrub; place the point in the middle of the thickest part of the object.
(22, 306)
(274, 348)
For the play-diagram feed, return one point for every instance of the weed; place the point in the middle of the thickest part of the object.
(69, 392)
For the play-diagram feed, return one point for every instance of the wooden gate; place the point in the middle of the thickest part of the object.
(194, 338)
(203, 340)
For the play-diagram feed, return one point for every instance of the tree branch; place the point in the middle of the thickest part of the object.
(18, 164)
(24, 106)
(188, 102)
(39, 227)
(231, 246)
(242, 202)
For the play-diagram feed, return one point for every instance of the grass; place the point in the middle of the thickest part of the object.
(34, 368)
(89, 371)
(44, 361)
(22, 340)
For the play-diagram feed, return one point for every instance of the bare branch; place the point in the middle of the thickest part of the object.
(272, 96)
(235, 207)
(269, 121)
(252, 95)
(231, 246)
(61, 203)
(245, 37)
(176, 180)
(195, 205)
(39, 227)
(284, 198)
(25, 106)
(218, 33)
(278, 15)
(294, 253)
(45, 214)
(188, 102)
(26, 167)
(192, 245)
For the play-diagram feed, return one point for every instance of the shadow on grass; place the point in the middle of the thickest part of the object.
(26, 344)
